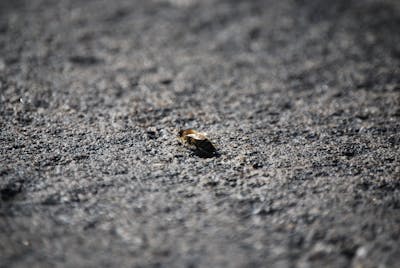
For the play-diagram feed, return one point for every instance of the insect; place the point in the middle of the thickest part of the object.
(198, 142)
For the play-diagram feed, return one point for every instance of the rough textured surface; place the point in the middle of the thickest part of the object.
(302, 99)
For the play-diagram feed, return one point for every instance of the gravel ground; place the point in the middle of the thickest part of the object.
(301, 98)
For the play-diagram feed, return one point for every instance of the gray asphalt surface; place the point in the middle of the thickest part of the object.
(301, 98)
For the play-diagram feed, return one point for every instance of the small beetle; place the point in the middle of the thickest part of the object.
(198, 142)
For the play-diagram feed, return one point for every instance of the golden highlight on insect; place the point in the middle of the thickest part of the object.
(198, 142)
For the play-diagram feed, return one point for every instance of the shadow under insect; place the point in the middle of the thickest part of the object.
(198, 143)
